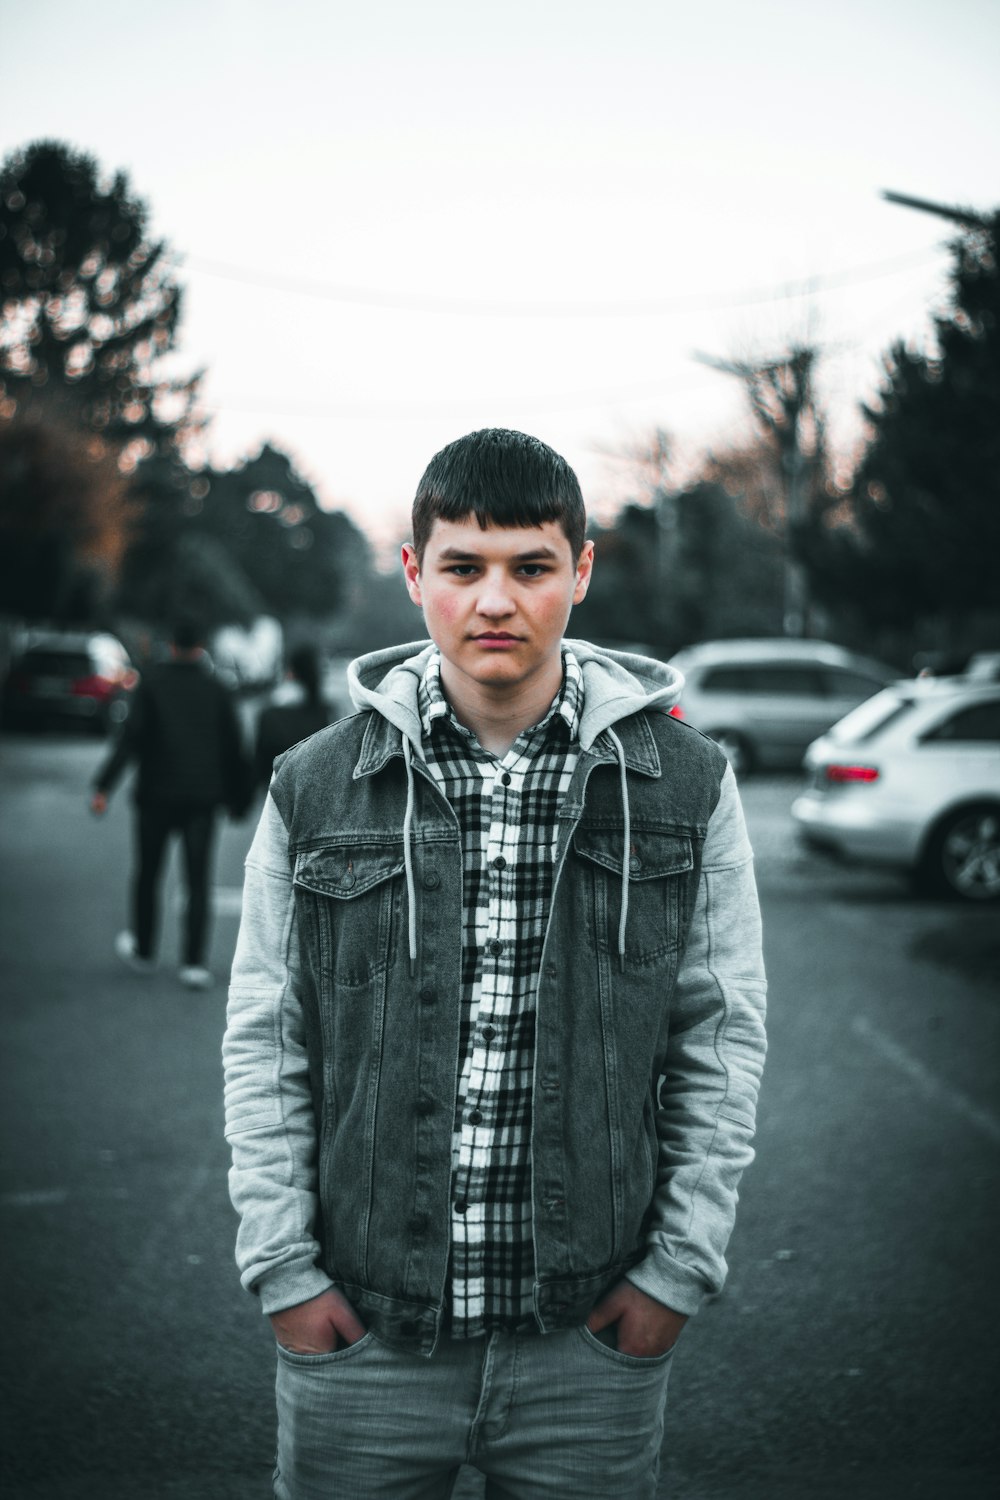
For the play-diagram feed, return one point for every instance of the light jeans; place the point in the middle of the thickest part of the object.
(556, 1415)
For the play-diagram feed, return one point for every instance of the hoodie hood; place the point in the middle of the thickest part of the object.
(616, 684)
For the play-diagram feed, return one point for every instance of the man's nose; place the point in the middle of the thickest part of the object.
(495, 599)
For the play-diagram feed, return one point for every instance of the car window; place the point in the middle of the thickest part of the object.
(781, 679)
(43, 660)
(731, 679)
(980, 722)
(871, 718)
(788, 679)
(840, 682)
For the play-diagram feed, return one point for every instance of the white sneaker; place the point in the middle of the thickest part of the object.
(125, 948)
(194, 977)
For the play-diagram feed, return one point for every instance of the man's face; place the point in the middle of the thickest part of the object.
(496, 602)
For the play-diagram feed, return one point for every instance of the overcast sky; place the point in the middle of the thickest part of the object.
(397, 222)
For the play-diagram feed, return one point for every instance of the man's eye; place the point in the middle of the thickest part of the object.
(462, 570)
(533, 570)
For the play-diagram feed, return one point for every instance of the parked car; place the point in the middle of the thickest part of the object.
(62, 677)
(764, 701)
(912, 779)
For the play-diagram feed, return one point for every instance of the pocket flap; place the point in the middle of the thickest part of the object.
(652, 854)
(349, 870)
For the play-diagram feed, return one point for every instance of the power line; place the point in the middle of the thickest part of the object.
(490, 307)
(420, 410)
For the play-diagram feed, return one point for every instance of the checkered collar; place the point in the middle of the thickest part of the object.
(566, 706)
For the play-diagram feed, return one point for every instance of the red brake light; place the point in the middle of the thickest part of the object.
(852, 773)
(94, 686)
(677, 712)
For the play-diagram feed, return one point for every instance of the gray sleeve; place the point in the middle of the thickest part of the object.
(715, 1057)
(270, 1122)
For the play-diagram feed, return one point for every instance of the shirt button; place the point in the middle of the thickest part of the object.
(460, 1206)
(505, 779)
(488, 1033)
(499, 863)
(475, 1117)
(495, 947)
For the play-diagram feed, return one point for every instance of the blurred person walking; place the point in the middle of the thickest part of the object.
(183, 733)
(296, 711)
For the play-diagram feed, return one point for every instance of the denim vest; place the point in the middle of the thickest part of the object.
(383, 1043)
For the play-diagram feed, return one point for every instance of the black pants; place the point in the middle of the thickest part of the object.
(155, 822)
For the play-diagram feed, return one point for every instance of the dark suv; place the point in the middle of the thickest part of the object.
(63, 677)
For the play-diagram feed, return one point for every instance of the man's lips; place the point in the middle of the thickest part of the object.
(496, 635)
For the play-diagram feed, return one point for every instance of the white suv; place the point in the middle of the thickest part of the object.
(912, 779)
(764, 701)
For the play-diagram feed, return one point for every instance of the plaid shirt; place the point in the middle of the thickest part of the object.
(507, 811)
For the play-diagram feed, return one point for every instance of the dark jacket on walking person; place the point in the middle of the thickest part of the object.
(297, 711)
(183, 734)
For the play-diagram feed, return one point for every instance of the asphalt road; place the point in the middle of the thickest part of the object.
(853, 1351)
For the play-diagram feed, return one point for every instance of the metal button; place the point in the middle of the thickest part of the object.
(349, 878)
(635, 863)
(419, 1223)
(431, 880)
(425, 1106)
(428, 995)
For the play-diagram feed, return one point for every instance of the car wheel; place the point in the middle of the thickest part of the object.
(962, 857)
(735, 748)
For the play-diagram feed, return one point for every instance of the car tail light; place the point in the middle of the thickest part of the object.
(97, 687)
(677, 712)
(842, 773)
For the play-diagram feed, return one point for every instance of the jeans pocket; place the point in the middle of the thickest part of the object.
(608, 1351)
(331, 1357)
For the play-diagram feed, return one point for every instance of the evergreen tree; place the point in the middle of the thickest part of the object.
(299, 558)
(89, 300)
(922, 539)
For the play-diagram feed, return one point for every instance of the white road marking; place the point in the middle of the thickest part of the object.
(980, 1119)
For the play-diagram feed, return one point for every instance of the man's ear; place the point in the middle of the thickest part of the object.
(584, 568)
(411, 572)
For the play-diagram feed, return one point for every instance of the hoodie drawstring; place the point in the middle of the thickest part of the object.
(626, 846)
(411, 894)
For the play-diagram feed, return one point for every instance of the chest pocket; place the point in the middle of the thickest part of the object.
(660, 868)
(349, 897)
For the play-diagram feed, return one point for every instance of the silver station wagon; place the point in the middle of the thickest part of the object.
(764, 702)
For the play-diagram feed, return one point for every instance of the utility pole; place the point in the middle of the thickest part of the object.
(780, 391)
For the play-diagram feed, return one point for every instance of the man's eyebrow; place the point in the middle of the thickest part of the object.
(456, 554)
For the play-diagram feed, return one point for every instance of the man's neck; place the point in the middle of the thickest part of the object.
(497, 715)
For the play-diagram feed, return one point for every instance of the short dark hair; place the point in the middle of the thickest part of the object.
(503, 478)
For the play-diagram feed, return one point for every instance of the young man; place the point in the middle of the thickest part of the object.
(183, 733)
(495, 1029)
